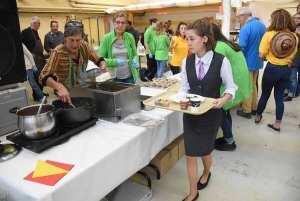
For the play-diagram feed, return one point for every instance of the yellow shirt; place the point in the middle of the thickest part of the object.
(180, 50)
(265, 48)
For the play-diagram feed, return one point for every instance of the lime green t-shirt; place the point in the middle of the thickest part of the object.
(161, 44)
(148, 38)
(240, 73)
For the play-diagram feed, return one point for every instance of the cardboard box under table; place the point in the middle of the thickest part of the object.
(181, 149)
(164, 160)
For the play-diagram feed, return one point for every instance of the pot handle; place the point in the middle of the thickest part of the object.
(14, 110)
(56, 111)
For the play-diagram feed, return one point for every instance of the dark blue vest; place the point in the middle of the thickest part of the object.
(210, 85)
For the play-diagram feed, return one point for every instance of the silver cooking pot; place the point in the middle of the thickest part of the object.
(34, 126)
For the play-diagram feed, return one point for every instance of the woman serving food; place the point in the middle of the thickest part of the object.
(69, 61)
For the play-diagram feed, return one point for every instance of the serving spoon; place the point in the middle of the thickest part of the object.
(41, 105)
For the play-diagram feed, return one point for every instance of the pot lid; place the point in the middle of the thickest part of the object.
(8, 151)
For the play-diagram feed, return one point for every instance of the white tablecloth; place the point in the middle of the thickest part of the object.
(104, 156)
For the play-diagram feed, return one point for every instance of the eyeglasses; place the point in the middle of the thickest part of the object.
(239, 15)
(120, 22)
(71, 24)
(38, 23)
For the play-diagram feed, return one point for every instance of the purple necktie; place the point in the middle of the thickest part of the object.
(201, 71)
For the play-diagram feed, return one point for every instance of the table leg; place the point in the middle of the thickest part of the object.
(155, 169)
(146, 177)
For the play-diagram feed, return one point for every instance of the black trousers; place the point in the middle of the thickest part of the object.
(151, 67)
(298, 88)
(175, 69)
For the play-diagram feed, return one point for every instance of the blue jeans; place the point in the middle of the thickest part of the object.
(38, 94)
(128, 80)
(292, 86)
(226, 126)
(161, 65)
(276, 77)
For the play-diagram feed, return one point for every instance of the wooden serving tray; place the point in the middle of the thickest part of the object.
(175, 87)
(206, 105)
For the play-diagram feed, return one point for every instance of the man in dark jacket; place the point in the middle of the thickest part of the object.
(53, 38)
(32, 41)
(129, 28)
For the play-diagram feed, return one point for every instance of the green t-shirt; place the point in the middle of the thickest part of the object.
(240, 73)
(161, 44)
(148, 38)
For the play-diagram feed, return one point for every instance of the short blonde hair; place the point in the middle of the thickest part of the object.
(120, 13)
(160, 29)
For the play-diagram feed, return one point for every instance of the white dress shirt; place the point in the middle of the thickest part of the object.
(226, 73)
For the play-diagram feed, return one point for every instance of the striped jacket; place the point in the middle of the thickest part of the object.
(58, 63)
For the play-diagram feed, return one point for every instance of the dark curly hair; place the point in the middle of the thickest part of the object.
(177, 33)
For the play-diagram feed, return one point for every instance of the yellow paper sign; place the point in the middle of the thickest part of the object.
(43, 169)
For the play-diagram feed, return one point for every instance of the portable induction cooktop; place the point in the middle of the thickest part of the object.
(62, 135)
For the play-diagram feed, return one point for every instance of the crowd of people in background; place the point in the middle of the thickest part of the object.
(210, 65)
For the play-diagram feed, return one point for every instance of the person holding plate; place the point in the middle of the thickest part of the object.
(203, 73)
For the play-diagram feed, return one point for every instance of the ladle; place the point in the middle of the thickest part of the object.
(41, 105)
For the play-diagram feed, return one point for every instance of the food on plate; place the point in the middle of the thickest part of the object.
(161, 82)
(162, 102)
(189, 96)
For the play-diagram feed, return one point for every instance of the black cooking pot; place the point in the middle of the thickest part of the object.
(69, 116)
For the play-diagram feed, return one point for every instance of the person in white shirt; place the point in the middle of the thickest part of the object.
(203, 73)
(30, 69)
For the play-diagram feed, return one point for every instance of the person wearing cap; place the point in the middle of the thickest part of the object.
(249, 39)
(69, 61)
(277, 72)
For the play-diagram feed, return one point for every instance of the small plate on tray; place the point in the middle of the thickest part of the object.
(176, 97)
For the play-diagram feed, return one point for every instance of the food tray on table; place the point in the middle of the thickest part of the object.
(206, 105)
(161, 82)
(175, 87)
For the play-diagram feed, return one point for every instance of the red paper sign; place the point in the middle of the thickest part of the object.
(162, 11)
(53, 179)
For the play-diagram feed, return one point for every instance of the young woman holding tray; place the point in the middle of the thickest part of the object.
(203, 73)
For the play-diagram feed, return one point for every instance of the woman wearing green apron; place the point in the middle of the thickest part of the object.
(69, 61)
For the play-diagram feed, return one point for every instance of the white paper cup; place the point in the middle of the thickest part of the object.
(195, 104)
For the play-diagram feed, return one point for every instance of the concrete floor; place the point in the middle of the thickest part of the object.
(264, 167)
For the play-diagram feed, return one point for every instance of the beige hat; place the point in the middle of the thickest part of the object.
(283, 44)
